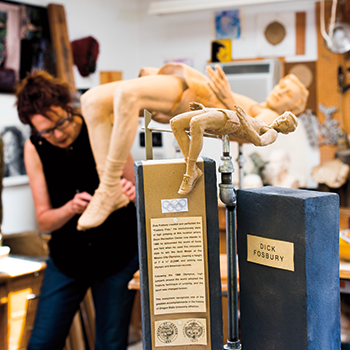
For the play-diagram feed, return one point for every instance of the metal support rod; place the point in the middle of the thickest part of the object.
(232, 293)
(240, 161)
(228, 197)
(148, 135)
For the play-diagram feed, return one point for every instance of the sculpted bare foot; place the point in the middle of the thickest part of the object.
(103, 203)
(188, 182)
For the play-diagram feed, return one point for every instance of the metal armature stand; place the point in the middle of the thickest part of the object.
(228, 197)
(148, 135)
(240, 162)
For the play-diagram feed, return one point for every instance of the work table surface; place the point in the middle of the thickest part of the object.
(15, 266)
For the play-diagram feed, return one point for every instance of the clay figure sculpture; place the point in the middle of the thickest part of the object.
(237, 124)
(334, 173)
(252, 181)
(111, 113)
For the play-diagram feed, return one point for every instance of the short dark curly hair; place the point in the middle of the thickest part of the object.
(38, 92)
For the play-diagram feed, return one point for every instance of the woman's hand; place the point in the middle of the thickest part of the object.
(128, 189)
(80, 202)
(220, 85)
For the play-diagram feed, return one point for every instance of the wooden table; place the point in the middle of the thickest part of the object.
(344, 269)
(20, 283)
(344, 275)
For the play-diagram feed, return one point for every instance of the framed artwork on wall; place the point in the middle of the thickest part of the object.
(13, 137)
(228, 24)
(25, 43)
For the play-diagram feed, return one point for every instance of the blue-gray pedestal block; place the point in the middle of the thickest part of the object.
(283, 309)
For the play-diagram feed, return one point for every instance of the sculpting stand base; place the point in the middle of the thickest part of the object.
(228, 197)
(233, 345)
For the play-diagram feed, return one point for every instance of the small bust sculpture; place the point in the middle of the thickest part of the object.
(277, 170)
(252, 181)
(334, 173)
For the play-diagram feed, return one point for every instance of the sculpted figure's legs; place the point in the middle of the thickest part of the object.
(107, 198)
(197, 121)
(156, 93)
(179, 125)
(97, 109)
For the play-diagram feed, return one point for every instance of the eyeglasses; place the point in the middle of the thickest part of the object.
(61, 125)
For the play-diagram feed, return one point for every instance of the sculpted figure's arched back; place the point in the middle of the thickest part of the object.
(166, 92)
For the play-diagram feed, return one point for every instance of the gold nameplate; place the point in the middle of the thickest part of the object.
(270, 252)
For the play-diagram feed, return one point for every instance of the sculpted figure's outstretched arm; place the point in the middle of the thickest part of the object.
(288, 95)
(221, 86)
(222, 89)
(256, 134)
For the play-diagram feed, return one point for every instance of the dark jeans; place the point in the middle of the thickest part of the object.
(59, 300)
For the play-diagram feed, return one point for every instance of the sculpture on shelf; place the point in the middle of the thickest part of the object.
(258, 166)
(329, 129)
(165, 92)
(218, 121)
(277, 170)
(252, 181)
(334, 173)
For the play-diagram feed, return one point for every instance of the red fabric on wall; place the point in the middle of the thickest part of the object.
(85, 53)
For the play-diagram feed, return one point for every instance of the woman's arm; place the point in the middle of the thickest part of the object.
(129, 172)
(128, 180)
(49, 219)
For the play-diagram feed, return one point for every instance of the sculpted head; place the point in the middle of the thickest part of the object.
(289, 94)
(285, 123)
